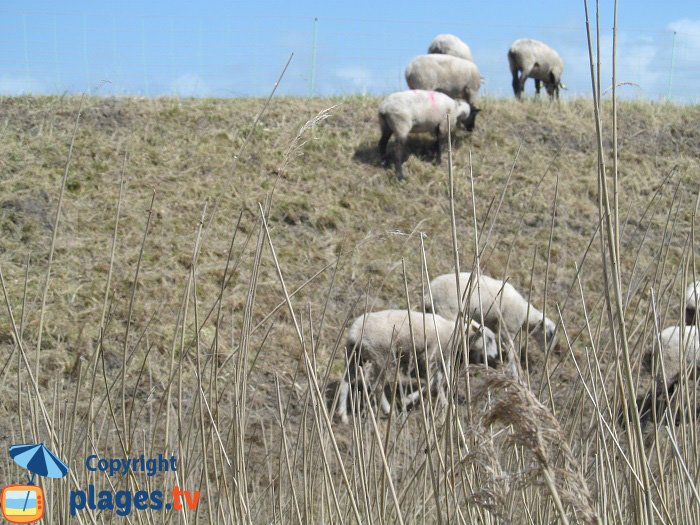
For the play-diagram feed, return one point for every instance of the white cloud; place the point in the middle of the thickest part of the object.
(360, 77)
(637, 65)
(190, 85)
(21, 85)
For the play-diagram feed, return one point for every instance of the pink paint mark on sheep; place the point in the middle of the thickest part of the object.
(433, 101)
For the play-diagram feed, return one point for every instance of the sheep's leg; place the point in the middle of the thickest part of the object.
(399, 147)
(410, 400)
(342, 408)
(519, 83)
(438, 153)
(516, 84)
(386, 135)
(352, 377)
(440, 387)
(384, 403)
(538, 85)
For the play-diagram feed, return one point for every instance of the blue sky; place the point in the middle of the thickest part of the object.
(230, 49)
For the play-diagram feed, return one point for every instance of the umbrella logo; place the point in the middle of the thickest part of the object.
(24, 503)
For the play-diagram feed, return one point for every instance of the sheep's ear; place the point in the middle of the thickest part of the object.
(561, 85)
(473, 324)
(475, 110)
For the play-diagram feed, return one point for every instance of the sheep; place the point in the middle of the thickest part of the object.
(502, 305)
(377, 339)
(535, 59)
(672, 339)
(455, 77)
(663, 396)
(450, 45)
(671, 345)
(692, 294)
(417, 110)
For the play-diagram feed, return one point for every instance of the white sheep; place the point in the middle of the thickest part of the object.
(417, 110)
(671, 342)
(676, 370)
(670, 336)
(534, 59)
(502, 305)
(377, 342)
(456, 77)
(450, 45)
(692, 293)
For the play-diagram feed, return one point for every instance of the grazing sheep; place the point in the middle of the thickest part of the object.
(450, 45)
(502, 305)
(535, 59)
(455, 77)
(660, 403)
(671, 336)
(417, 110)
(692, 294)
(660, 397)
(379, 341)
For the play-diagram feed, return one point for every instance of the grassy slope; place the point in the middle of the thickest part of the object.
(332, 198)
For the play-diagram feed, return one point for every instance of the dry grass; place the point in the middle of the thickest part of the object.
(236, 386)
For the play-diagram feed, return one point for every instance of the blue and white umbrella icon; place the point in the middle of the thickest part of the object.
(38, 459)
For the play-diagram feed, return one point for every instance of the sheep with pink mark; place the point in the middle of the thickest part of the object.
(415, 111)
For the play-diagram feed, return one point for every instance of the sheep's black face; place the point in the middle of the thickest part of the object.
(470, 121)
(551, 89)
(552, 86)
(477, 358)
(483, 342)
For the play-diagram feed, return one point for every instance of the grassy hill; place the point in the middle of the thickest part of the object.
(346, 233)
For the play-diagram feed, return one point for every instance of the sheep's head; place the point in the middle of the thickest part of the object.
(466, 115)
(482, 342)
(546, 329)
(552, 84)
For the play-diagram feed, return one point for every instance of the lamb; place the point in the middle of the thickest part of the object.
(535, 59)
(455, 77)
(502, 305)
(450, 45)
(377, 340)
(417, 110)
(692, 294)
